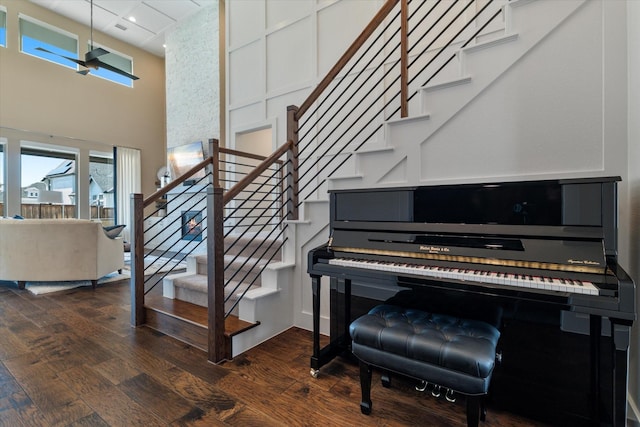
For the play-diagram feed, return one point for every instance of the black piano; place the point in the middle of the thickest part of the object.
(541, 253)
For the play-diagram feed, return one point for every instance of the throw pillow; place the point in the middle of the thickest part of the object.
(18, 217)
(113, 231)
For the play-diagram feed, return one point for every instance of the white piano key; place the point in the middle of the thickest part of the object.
(479, 276)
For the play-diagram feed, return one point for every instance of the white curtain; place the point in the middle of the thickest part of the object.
(128, 179)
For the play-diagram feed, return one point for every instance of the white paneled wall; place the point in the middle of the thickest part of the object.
(278, 50)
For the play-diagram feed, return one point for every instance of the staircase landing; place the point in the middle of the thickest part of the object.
(185, 321)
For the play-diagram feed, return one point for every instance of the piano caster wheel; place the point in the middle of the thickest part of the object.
(422, 386)
(436, 392)
(450, 396)
(314, 372)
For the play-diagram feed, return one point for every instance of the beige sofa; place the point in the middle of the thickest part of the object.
(57, 250)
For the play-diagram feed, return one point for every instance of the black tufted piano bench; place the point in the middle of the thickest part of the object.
(452, 352)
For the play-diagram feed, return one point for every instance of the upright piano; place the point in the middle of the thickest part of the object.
(543, 253)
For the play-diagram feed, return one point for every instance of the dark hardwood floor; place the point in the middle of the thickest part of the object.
(72, 359)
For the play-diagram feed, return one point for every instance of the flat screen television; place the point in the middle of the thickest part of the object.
(184, 157)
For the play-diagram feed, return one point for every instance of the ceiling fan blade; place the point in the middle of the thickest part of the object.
(83, 72)
(114, 69)
(77, 61)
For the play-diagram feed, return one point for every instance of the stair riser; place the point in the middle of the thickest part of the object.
(200, 298)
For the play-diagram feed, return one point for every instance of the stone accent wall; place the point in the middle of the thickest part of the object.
(193, 75)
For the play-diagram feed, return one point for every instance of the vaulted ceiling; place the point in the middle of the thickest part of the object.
(153, 18)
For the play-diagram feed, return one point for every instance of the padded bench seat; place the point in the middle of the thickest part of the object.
(452, 352)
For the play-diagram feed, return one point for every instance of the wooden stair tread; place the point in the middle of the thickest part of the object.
(195, 314)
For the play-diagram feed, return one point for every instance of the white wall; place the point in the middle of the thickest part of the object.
(277, 50)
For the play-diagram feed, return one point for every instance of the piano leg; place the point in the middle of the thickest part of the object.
(595, 334)
(617, 404)
(621, 337)
(338, 343)
(315, 288)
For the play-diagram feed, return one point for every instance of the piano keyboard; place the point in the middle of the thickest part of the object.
(481, 276)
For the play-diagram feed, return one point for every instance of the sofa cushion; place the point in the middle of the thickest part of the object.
(113, 231)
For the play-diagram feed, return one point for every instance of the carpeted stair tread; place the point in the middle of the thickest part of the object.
(231, 262)
(198, 283)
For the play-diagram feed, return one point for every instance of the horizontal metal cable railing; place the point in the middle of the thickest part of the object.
(253, 224)
(248, 198)
(367, 91)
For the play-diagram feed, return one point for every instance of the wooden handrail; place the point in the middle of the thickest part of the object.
(245, 154)
(344, 59)
(173, 184)
(244, 182)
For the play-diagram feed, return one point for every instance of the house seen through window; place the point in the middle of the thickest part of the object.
(101, 188)
(48, 183)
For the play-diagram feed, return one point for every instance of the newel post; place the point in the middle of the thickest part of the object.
(292, 163)
(404, 58)
(137, 260)
(217, 348)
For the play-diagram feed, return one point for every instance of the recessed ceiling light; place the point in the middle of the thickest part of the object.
(132, 18)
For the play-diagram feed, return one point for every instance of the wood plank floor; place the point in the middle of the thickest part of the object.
(72, 359)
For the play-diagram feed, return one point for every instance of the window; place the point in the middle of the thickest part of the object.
(35, 34)
(101, 188)
(48, 183)
(117, 60)
(3, 27)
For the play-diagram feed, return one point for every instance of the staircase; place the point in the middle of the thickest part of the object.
(191, 286)
(387, 142)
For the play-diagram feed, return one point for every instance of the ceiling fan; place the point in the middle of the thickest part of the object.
(92, 58)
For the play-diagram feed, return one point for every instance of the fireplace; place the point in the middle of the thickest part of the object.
(192, 225)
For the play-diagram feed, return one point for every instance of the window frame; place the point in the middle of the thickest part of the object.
(34, 149)
(3, 175)
(97, 73)
(104, 158)
(3, 26)
(43, 55)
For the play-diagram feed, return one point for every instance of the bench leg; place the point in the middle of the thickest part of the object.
(365, 387)
(473, 411)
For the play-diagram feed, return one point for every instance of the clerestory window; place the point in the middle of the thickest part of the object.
(3, 26)
(116, 60)
(36, 35)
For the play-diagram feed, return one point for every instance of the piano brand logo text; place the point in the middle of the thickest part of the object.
(583, 262)
(436, 249)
